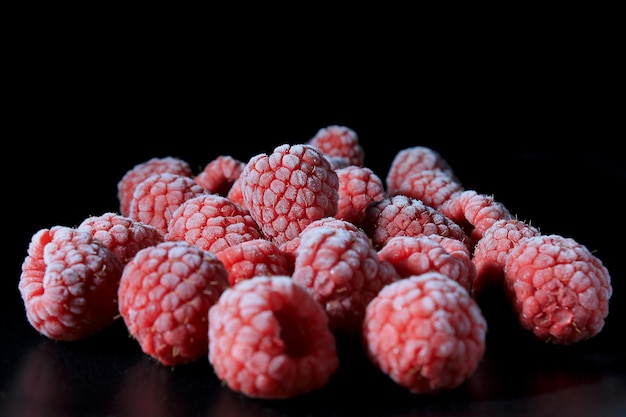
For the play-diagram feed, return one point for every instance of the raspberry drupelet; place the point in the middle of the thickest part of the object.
(288, 189)
(69, 283)
(212, 222)
(157, 197)
(165, 293)
(122, 235)
(138, 173)
(358, 187)
(343, 272)
(558, 288)
(401, 215)
(219, 175)
(425, 332)
(269, 339)
(340, 144)
(411, 161)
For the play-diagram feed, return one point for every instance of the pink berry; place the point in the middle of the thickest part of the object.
(269, 339)
(340, 142)
(474, 212)
(122, 235)
(288, 189)
(219, 175)
(425, 332)
(138, 173)
(212, 222)
(157, 197)
(69, 283)
(343, 272)
(358, 187)
(164, 297)
(558, 288)
(400, 215)
(431, 186)
(411, 161)
(417, 255)
(251, 258)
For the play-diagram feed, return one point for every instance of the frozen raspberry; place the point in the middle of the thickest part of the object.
(343, 272)
(158, 196)
(339, 142)
(219, 175)
(417, 255)
(474, 212)
(69, 283)
(138, 173)
(358, 187)
(425, 332)
(432, 186)
(288, 189)
(492, 249)
(235, 195)
(251, 258)
(400, 215)
(165, 294)
(212, 222)
(122, 235)
(558, 288)
(269, 339)
(412, 160)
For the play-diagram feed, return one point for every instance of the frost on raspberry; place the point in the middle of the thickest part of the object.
(558, 288)
(256, 257)
(219, 175)
(410, 161)
(288, 189)
(340, 144)
(269, 339)
(425, 332)
(343, 272)
(358, 187)
(69, 283)
(400, 215)
(212, 222)
(123, 235)
(157, 197)
(165, 293)
(138, 173)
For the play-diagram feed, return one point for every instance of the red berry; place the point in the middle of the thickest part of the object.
(164, 297)
(251, 258)
(558, 288)
(340, 144)
(411, 161)
(212, 222)
(122, 235)
(138, 173)
(268, 338)
(288, 189)
(69, 283)
(425, 332)
(358, 187)
(432, 186)
(219, 175)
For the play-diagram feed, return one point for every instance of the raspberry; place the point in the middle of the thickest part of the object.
(343, 272)
(340, 144)
(251, 258)
(235, 195)
(432, 186)
(558, 288)
(219, 175)
(358, 187)
(165, 294)
(425, 332)
(289, 189)
(268, 338)
(400, 215)
(493, 248)
(474, 212)
(417, 255)
(212, 222)
(158, 196)
(122, 235)
(411, 161)
(69, 283)
(138, 173)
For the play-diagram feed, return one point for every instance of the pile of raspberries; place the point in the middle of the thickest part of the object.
(262, 266)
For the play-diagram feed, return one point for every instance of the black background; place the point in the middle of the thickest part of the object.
(537, 129)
